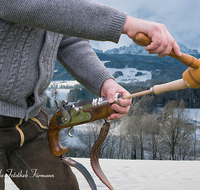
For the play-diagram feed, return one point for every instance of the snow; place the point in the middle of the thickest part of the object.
(140, 175)
(63, 87)
(140, 50)
(129, 75)
(194, 114)
(63, 83)
(62, 93)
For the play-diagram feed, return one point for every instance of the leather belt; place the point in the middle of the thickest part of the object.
(94, 157)
(82, 169)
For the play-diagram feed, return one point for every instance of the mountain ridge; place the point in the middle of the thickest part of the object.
(134, 49)
(161, 69)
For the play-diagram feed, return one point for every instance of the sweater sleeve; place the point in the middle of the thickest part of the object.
(79, 59)
(86, 18)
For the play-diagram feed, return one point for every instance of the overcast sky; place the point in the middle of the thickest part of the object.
(181, 17)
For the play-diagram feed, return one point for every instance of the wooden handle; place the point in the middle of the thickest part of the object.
(158, 89)
(97, 113)
(53, 137)
(170, 86)
(137, 94)
(186, 59)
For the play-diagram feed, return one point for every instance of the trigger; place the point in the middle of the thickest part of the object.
(69, 132)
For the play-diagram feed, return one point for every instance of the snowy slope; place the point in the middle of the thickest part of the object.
(129, 75)
(140, 175)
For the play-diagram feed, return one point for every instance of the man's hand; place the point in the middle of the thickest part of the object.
(162, 41)
(109, 89)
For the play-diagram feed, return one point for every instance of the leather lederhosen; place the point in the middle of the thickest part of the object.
(26, 158)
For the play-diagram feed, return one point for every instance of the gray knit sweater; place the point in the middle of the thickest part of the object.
(34, 33)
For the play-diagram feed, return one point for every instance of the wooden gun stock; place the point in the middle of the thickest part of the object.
(99, 112)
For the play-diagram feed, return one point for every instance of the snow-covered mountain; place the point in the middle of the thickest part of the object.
(133, 63)
(132, 49)
(139, 50)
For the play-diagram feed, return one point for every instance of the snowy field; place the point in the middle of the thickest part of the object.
(59, 83)
(129, 75)
(140, 175)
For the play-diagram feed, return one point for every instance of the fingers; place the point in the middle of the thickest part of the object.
(162, 43)
(109, 89)
(116, 116)
(111, 95)
(176, 49)
(120, 112)
(122, 109)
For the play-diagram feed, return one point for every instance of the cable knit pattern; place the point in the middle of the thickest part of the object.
(22, 51)
(18, 37)
(3, 27)
(18, 66)
(10, 38)
(33, 34)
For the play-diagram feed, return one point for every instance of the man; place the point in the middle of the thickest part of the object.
(33, 34)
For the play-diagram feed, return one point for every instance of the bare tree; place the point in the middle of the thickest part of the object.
(176, 130)
(145, 105)
(195, 133)
(134, 135)
(152, 132)
(89, 136)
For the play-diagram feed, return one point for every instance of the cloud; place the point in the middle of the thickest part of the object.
(182, 18)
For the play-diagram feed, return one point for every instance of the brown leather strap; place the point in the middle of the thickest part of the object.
(95, 155)
(82, 169)
(94, 160)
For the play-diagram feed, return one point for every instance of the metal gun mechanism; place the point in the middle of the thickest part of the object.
(70, 115)
(73, 113)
